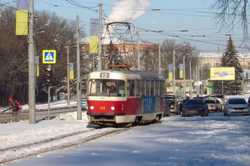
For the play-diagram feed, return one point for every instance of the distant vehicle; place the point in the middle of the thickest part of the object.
(194, 107)
(84, 104)
(170, 100)
(236, 106)
(248, 102)
(213, 104)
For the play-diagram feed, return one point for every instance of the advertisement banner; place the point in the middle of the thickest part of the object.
(22, 22)
(71, 71)
(170, 72)
(93, 44)
(181, 71)
(222, 73)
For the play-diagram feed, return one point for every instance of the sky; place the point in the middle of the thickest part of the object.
(196, 17)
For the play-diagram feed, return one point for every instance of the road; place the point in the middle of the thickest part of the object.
(214, 140)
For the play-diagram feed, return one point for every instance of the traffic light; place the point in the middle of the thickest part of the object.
(48, 75)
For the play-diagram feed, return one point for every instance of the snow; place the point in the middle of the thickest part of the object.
(56, 104)
(214, 140)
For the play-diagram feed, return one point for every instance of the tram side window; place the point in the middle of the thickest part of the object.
(152, 88)
(142, 89)
(162, 88)
(131, 87)
(106, 88)
(137, 88)
(148, 88)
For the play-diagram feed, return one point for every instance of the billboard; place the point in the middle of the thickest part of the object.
(222, 73)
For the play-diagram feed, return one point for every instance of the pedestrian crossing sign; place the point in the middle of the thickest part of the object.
(49, 56)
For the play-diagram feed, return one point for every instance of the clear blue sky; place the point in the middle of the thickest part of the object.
(196, 16)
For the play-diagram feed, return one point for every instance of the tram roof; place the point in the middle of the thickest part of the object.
(130, 74)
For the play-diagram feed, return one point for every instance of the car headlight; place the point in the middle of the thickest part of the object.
(92, 107)
(112, 108)
(230, 109)
(246, 109)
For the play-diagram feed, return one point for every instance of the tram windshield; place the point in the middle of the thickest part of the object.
(106, 87)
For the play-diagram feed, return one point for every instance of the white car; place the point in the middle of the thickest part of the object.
(236, 106)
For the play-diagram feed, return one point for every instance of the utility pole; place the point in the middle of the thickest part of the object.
(190, 77)
(184, 73)
(138, 52)
(190, 69)
(159, 58)
(68, 75)
(174, 88)
(31, 52)
(78, 87)
(99, 65)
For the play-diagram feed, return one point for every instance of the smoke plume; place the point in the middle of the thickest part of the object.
(128, 10)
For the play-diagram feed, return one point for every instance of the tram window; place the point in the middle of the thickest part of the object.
(142, 88)
(152, 87)
(137, 88)
(155, 88)
(107, 87)
(131, 87)
(158, 87)
(162, 87)
(148, 88)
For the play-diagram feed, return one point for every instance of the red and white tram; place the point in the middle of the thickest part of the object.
(123, 97)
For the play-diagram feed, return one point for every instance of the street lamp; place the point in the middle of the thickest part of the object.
(31, 57)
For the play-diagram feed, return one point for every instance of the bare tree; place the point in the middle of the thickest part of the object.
(51, 32)
(231, 11)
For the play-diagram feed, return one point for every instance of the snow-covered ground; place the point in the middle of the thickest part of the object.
(56, 104)
(214, 140)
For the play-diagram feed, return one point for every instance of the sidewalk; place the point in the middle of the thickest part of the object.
(20, 133)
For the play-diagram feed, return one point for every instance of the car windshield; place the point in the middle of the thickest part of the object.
(210, 102)
(193, 103)
(237, 101)
(106, 87)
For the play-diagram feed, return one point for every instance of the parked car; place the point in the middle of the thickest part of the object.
(213, 104)
(170, 100)
(84, 104)
(194, 107)
(236, 106)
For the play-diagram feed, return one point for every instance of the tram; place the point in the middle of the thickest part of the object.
(125, 97)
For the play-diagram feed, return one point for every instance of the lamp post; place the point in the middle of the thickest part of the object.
(31, 57)
(159, 58)
(78, 86)
(68, 75)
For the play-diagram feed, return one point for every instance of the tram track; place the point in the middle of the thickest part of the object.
(13, 153)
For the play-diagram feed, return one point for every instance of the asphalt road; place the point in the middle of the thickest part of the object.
(214, 140)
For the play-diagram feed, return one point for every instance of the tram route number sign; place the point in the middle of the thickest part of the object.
(104, 75)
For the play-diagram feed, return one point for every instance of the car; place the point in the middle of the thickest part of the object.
(170, 101)
(194, 107)
(236, 106)
(213, 104)
(84, 104)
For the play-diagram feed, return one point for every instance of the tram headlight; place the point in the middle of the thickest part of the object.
(92, 107)
(112, 108)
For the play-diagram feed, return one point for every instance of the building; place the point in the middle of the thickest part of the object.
(214, 59)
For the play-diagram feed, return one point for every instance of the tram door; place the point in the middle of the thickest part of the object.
(149, 100)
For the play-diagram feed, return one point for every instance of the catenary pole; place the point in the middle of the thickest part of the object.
(78, 86)
(68, 75)
(31, 68)
(159, 58)
(99, 65)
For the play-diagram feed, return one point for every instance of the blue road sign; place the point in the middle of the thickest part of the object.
(49, 56)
